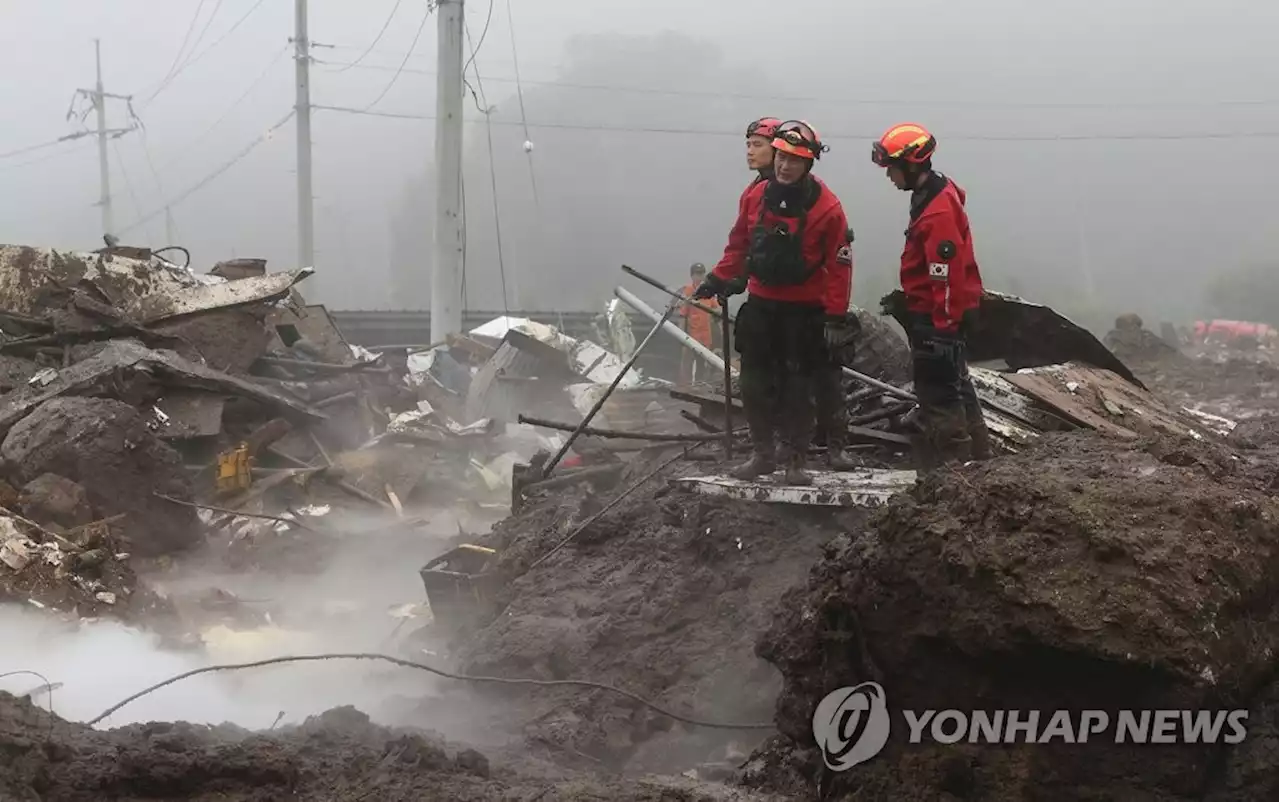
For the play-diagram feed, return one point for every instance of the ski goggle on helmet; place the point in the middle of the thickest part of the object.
(765, 127)
(907, 143)
(799, 138)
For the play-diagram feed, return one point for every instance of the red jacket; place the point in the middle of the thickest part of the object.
(824, 246)
(939, 272)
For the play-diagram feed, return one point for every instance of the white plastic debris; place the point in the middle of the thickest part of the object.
(16, 553)
(43, 377)
(106, 597)
(1073, 386)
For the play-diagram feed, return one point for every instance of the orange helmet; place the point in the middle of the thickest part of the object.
(765, 126)
(906, 143)
(798, 138)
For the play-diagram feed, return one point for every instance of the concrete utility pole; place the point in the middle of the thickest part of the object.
(302, 107)
(104, 170)
(98, 97)
(446, 267)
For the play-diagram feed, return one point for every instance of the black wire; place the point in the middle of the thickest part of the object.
(386, 24)
(488, 18)
(493, 177)
(430, 7)
(186, 37)
(196, 57)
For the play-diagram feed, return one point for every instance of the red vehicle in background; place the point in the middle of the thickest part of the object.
(1233, 332)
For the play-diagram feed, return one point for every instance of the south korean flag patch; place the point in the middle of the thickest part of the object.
(845, 255)
(938, 271)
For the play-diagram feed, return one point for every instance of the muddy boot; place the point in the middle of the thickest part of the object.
(796, 428)
(762, 463)
(795, 474)
(953, 441)
(759, 407)
(837, 459)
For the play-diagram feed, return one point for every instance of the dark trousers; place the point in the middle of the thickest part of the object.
(782, 350)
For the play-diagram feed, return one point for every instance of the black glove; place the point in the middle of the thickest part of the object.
(710, 287)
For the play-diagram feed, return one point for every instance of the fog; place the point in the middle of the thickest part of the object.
(1116, 156)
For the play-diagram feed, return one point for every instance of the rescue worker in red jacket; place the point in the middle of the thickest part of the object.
(697, 324)
(943, 287)
(787, 241)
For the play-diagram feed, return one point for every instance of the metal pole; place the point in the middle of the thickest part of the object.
(104, 171)
(644, 309)
(662, 320)
(446, 267)
(728, 380)
(302, 108)
(653, 282)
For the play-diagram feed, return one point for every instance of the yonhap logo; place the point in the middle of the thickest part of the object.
(851, 725)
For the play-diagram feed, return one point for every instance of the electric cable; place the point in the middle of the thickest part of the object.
(382, 31)
(425, 16)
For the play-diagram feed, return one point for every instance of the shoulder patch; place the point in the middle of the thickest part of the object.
(845, 255)
(938, 271)
(946, 249)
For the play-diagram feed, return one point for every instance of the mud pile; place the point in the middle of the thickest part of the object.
(663, 596)
(338, 755)
(1083, 573)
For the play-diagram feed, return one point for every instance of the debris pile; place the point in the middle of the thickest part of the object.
(1086, 572)
(80, 572)
(662, 595)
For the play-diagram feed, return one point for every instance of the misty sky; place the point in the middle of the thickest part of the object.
(1134, 221)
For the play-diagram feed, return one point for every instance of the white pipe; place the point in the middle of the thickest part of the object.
(698, 348)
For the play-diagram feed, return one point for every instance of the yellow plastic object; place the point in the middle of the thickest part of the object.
(233, 470)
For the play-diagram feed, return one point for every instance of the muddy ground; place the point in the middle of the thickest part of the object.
(664, 596)
(338, 755)
(1081, 573)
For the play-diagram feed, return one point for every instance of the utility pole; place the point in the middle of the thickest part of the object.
(103, 166)
(446, 267)
(302, 107)
(98, 97)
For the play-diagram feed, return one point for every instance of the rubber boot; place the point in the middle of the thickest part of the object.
(797, 410)
(837, 458)
(832, 416)
(953, 440)
(759, 408)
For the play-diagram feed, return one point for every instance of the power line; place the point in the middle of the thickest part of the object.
(488, 18)
(82, 145)
(862, 137)
(177, 58)
(386, 24)
(524, 120)
(219, 171)
(197, 56)
(227, 111)
(493, 176)
(43, 145)
(128, 185)
(426, 14)
(1012, 104)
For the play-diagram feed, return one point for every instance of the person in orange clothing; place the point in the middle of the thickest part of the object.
(699, 325)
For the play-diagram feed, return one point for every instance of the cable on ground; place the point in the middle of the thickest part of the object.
(545, 683)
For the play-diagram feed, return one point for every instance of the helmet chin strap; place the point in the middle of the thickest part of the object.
(911, 173)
